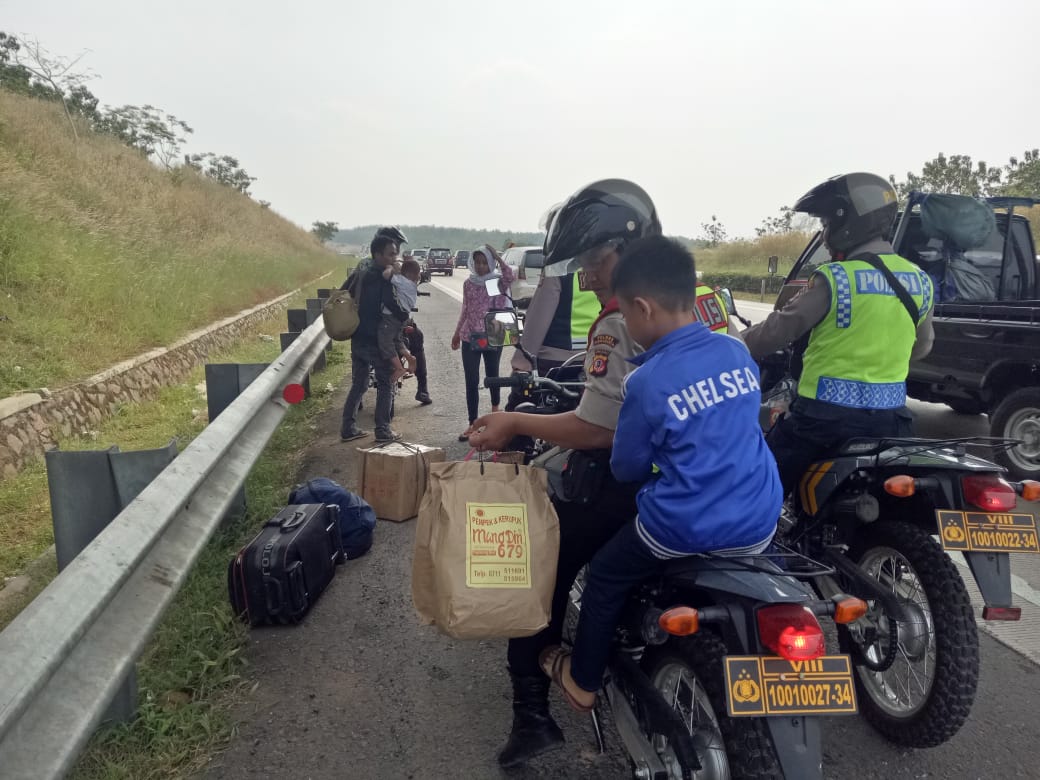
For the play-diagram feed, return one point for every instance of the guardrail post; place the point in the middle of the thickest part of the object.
(289, 338)
(298, 320)
(224, 383)
(87, 490)
(762, 294)
(314, 307)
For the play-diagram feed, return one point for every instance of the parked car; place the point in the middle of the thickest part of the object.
(526, 262)
(440, 262)
(462, 258)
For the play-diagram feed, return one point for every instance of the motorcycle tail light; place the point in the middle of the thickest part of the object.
(679, 621)
(989, 492)
(791, 631)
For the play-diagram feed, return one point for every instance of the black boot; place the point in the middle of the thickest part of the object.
(534, 730)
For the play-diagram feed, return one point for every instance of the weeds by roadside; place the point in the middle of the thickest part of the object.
(192, 669)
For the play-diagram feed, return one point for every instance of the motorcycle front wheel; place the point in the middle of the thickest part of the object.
(917, 693)
(689, 673)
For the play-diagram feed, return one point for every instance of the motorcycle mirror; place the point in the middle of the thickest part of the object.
(502, 328)
(727, 298)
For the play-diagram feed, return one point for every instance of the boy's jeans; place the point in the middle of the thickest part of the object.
(619, 566)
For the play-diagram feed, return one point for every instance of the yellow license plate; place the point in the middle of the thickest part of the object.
(987, 532)
(762, 685)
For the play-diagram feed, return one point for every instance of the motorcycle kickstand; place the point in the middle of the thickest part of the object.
(600, 743)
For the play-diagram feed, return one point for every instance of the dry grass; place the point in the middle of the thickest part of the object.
(104, 255)
(751, 256)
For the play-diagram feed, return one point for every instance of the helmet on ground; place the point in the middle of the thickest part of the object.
(393, 233)
(607, 211)
(854, 209)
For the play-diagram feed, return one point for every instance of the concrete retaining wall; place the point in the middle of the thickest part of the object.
(31, 423)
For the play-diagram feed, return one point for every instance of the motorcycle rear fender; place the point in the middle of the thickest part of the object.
(992, 572)
(798, 746)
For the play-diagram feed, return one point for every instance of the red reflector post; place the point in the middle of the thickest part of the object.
(1002, 613)
(989, 492)
(294, 393)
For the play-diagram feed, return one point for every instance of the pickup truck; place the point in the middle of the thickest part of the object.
(986, 355)
(441, 262)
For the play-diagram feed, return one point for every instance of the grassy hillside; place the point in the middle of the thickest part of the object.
(103, 255)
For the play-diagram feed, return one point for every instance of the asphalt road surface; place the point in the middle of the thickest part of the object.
(361, 690)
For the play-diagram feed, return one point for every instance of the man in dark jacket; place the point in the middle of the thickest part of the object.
(372, 292)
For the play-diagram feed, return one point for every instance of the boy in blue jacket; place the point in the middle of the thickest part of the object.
(689, 429)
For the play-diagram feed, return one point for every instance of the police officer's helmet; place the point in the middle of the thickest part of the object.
(611, 210)
(393, 233)
(854, 209)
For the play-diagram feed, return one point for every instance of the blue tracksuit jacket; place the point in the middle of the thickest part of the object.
(691, 407)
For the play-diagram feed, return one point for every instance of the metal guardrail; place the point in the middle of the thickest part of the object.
(64, 657)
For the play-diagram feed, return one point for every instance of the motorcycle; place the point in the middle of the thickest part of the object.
(872, 511)
(718, 666)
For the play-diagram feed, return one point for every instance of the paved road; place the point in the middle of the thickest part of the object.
(361, 690)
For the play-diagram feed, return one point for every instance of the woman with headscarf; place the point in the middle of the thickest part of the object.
(485, 264)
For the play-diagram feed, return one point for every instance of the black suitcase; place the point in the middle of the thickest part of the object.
(280, 574)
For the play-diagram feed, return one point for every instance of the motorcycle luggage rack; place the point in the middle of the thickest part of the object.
(789, 563)
(911, 445)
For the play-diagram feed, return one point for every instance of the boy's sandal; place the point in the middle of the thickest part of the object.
(551, 661)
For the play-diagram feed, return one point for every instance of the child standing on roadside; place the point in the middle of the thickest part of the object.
(388, 334)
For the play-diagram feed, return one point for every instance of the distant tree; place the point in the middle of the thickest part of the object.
(714, 232)
(27, 67)
(324, 231)
(264, 204)
(224, 169)
(954, 174)
(147, 129)
(774, 225)
(1023, 175)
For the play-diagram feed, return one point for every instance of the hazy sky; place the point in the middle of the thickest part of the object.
(483, 113)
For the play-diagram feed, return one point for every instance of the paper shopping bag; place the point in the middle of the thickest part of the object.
(486, 544)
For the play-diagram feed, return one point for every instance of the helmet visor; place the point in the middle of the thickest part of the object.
(587, 260)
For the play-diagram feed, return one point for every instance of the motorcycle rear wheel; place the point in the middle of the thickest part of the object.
(925, 695)
(690, 675)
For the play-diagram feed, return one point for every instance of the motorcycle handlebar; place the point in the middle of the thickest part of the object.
(503, 381)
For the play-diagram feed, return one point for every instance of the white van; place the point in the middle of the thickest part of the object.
(527, 263)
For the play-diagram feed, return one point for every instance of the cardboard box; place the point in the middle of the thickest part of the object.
(393, 477)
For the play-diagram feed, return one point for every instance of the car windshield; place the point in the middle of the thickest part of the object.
(462, 256)
(440, 253)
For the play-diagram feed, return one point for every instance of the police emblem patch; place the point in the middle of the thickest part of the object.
(599, 364)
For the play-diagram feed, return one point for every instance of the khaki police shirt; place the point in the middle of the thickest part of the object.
(606, 365)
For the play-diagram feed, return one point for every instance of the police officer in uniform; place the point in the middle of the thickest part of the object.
(863, 333)
(588, 234)
(710, 309)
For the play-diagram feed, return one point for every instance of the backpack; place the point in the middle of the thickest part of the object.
(357, 519)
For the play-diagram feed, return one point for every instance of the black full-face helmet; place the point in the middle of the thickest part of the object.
(393, 233)
(854, 208)
(609, 211)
